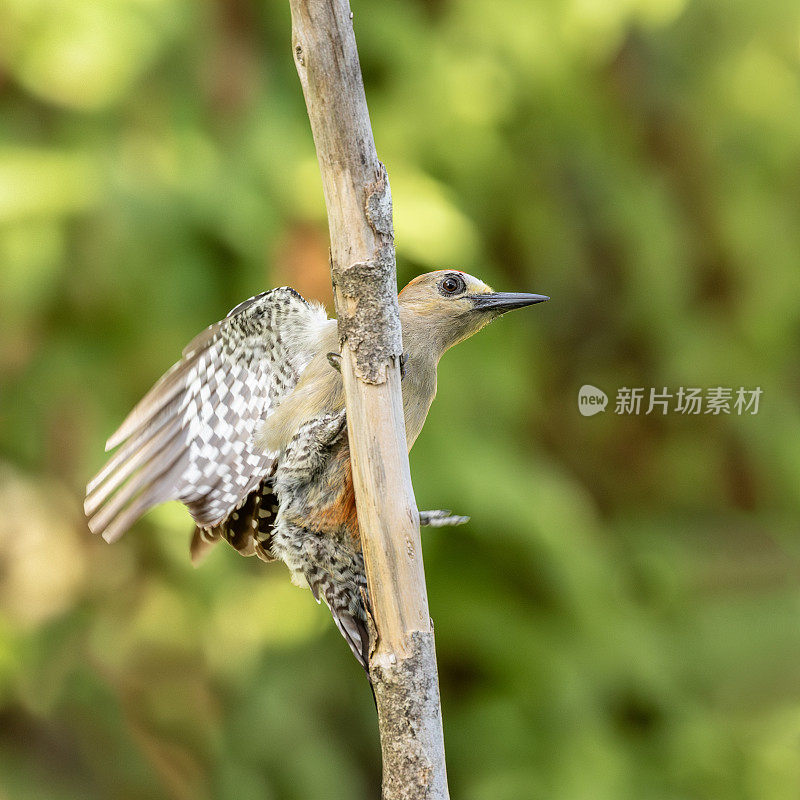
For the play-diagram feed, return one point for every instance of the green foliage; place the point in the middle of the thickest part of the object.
(619, 620)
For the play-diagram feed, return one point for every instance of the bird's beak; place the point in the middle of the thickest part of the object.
(500, 302)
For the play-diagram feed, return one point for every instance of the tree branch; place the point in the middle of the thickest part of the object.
(358, 199)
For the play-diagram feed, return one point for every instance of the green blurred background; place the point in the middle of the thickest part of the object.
(621, 618)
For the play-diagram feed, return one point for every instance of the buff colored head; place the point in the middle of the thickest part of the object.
(448, 306)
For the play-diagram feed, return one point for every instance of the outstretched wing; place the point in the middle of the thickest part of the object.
(191, 437)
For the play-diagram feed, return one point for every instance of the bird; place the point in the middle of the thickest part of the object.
(248, 430)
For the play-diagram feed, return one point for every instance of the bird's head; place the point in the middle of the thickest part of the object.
(448, 306)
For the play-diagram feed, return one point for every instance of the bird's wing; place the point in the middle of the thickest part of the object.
(248, 529)
(191, 437)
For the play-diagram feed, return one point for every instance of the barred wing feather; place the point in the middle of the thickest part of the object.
(191, 437)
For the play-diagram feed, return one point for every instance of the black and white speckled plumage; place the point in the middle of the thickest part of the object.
(308, 478)
(191, 438)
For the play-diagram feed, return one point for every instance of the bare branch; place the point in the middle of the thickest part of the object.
(358, 199)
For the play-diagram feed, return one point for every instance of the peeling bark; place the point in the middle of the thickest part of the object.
(370, 326)
(407, 696)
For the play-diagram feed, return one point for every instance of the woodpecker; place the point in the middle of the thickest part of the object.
(249, 431)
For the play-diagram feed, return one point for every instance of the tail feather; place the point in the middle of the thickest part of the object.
(355, 634)
(347, 611)
(203, 539)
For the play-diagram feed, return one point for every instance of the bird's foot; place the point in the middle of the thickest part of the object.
(440, 518)
(328, 428)
(403, 361)
(335, 360)
(309, 450)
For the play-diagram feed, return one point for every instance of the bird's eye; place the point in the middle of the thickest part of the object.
(452, 284)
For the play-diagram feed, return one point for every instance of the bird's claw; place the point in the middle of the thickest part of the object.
(335, 360)
(440, 518)
(329, 428)
(403, 360)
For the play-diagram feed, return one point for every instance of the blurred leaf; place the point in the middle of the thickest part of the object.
(618, 620)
